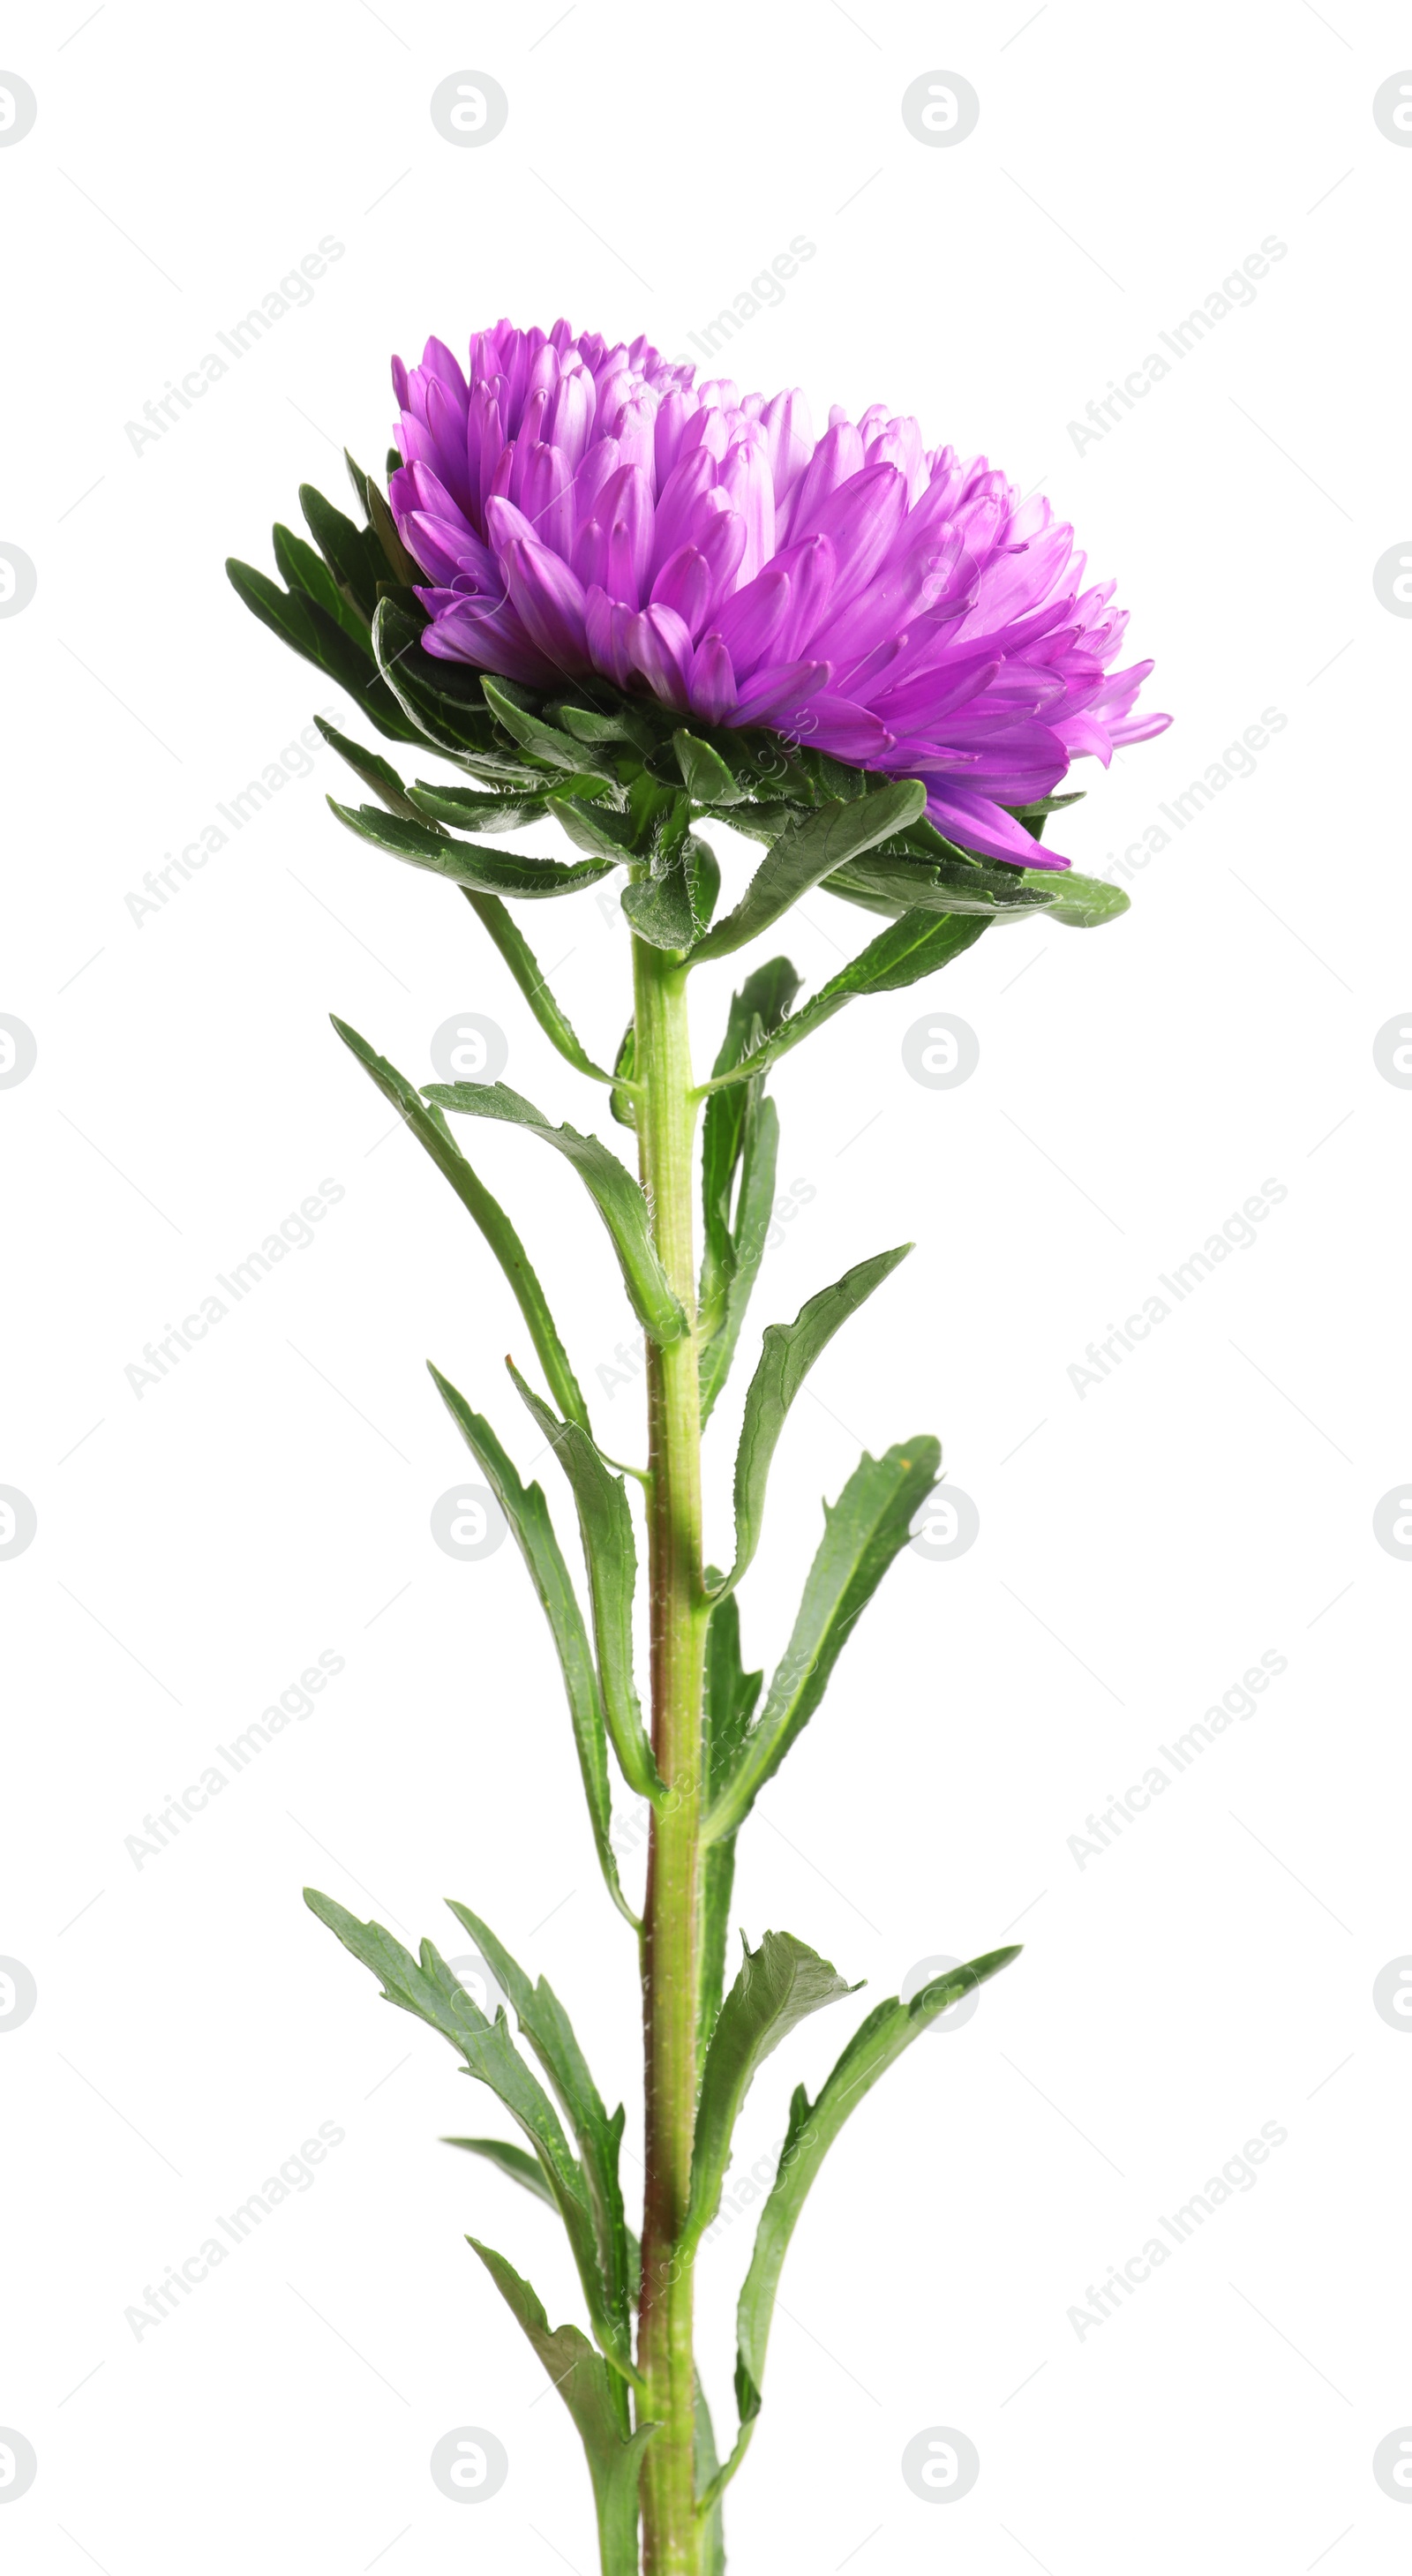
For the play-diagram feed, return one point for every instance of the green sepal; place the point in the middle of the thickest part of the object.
(610, 1555)
(489, 871)
(778, 1986)
(524, 966)
(897, 885)
(707, 778)
(345, 550)
(789, 1353)
(863, 1531)
(527, 1513)
(671, 908)
(544, 2023)
(309, 630)
(890, 2028)
(810, 848)
(435, 1137)
(550, 748)
(470, 809)
(584, 2382)
(305, 569)
(610, 1184)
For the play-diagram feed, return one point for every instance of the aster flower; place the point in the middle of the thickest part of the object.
(579, 509)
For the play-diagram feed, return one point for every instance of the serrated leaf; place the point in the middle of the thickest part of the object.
(610, 1184)
(614, 2455)
(863, 1531)
(889, 2029)
(514, 2161)
(427, 1988)
(600, 831)
(728, 1704)
(436, 1139)
(527, 1512)
(610, 1554)
(896, 886)
(544, 2023)
(464, 863)
(789, 1353)
(917, 945)
(524, 966)
(808, 849)
(778, 1986)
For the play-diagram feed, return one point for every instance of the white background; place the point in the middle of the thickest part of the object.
(1141, 1544)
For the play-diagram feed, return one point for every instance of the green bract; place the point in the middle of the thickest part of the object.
(633, 793)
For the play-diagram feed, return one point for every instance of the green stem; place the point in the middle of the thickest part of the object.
(670, 1940)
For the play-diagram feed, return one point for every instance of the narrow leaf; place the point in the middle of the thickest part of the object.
(610, 1184)
(807, 850)
(514, 2161)
(759, 1157)
(728, 1704)
(610, 1554)
(306, 570)
(524, 966)
(436, 1139)
(897, 886)
(317, 637)
(614, 2455)
(374, 771)
(917, 945)
(889, 2029)
(706, 2465)
(343, 549)
(470, 809)
(864, 1530)
(555, 750)
(789, 1353)
(708, 780)
(464, 862)
(527, 1512)
(779, 1985)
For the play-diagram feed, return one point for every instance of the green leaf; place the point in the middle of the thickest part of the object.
(779, 1985)
(706, 2466)
(344, 550)
(403, 570)
(576, 2370)
(600, 831)
(789, 1353)
(428, 1989)
(738, 1143)
(759, 1157)
(728, 1704)
(442, 701)
(527, 1512)
(808, 849)
(317, 637)
(915, 946)
(468, 809)
(514, 2161)
(436, 1139)
(896, 886)
(374, 771)
(672, 906)
(489, 871)
(889, 2029)
(305, 570)
(864, 1530)
(621, 1097)
(623, 723)
(610, 1554)
(551, 748)
(610, 1184)
(546, 2026)
(708, 780)
(524, 966)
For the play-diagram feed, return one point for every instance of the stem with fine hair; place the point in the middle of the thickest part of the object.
(666, 1113)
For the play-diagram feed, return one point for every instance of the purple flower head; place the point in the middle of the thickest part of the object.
(581, 509)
